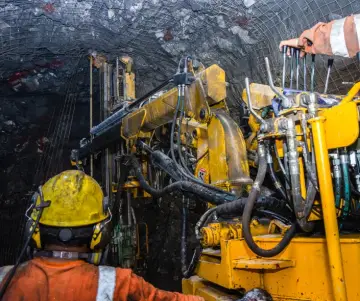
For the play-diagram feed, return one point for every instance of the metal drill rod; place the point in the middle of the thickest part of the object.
(284, 50)
(297, 61)
(291, 67)
(330, 63)
(305, 70)
(312, 73)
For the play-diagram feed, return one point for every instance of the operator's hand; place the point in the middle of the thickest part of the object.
(292, 43)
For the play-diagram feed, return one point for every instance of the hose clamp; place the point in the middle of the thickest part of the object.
(261, 150)
(256, 186)
(344, 159)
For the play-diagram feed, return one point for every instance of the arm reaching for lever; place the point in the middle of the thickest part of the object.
(339, 37)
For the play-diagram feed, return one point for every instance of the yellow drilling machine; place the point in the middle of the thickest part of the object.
(283, 195)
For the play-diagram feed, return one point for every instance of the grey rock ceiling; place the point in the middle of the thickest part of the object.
(44, 39)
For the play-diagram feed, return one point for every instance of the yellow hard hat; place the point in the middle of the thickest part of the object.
(76, 200)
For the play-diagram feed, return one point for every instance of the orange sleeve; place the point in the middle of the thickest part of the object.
(132, 287)
(317, 40)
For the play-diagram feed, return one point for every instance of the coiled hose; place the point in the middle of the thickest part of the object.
(246, 217)
(246, 205)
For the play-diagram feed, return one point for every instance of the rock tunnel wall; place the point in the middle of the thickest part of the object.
(44, 44)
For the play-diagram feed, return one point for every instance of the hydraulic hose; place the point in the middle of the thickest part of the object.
(191, 268)
(183, 254)
(346, 177)
(309, 170)
(182, 113)
(246, 217)
(238, 205)
(177, 172)
(202, 220)
(206, 194)
(298, 201)
(236, 208)
(337, 179)
(116, 207)
(274, 177)
(173, 126)
(287, 171)
(186, 173)
(304, 224)
(281, 165)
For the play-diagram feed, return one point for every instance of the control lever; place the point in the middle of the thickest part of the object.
(297, 61)
(284, 50)
(312, 73)
(285, 101)
(248, 96)
(291, 67)
(304, 62)
(330, 64)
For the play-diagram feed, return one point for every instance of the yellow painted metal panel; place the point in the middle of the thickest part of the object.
(308, 279)
(262, 264)
(214, 84)
(341, 125)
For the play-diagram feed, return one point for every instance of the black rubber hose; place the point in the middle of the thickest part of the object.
(262, 203)
(246, 217)
(162, 161)
(237, 206)
(191, 268)
(202, 220)
(173, 124)
(206, 194)
(183, 254)
(281, 165)
(120, 184)
(276, 181)
(176, 171)
(182, 113)
(308, 165)
(185, 173)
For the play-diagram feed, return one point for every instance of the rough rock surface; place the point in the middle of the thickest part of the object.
(42, 46)
(236, 34)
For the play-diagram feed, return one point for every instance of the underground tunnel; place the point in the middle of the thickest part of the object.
(58, 58)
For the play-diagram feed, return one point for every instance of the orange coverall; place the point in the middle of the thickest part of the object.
(339, 37)
(41, 280)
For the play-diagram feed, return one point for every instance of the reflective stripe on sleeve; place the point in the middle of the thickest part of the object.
(3, 271)
(337, 39)
(357, 26)
(106, 285)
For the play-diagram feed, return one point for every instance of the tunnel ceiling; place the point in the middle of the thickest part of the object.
(43, 41)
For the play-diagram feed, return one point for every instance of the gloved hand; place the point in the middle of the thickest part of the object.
(293, 43)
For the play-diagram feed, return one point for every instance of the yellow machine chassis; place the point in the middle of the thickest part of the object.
(310, 268)
(301, 272)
